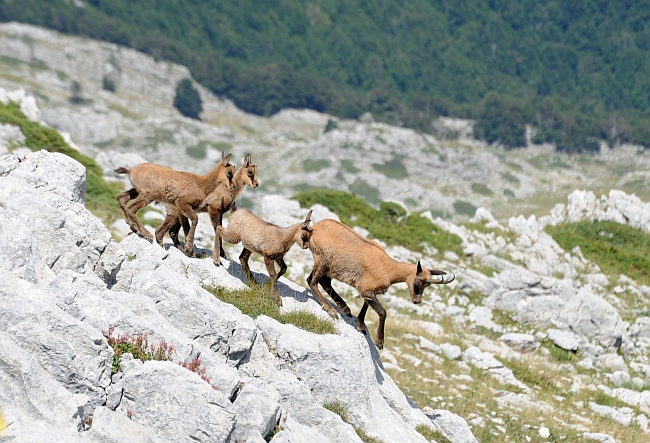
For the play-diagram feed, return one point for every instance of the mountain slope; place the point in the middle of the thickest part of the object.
(576, 71)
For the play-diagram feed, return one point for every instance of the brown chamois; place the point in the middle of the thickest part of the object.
(216, 204)
(344, 255)
(184, 190)
(270, 241)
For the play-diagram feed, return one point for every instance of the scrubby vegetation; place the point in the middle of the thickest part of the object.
(138, 345)
(614, 247)
(577, 71)
(258, 300)
(390, 223)
(100, 195)
(340, 410)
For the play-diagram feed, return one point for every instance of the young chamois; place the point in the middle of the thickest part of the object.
(344, 255)
(216, 204)
(184, 190)
(270, 241)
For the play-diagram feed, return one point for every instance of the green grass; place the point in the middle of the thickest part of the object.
(393, 168)
(390, 223)
(258, 300)
(464, 208)
(432, 434)
(315, 165)
(481, 189)
(100, 195)
(615, 248)
(340, 410)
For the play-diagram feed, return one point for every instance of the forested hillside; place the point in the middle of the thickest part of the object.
(579, 71)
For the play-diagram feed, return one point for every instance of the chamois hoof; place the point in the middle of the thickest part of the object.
(217, 263)
(332, 313)
(346, 311)
(380, 346)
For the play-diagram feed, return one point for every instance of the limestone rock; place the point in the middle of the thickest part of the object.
(520, 342)
(564, 339)
(175, 402)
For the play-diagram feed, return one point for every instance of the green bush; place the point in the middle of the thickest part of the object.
(187, 99)
(100, 195)
(389, 224)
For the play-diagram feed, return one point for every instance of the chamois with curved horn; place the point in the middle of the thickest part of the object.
(342, 254)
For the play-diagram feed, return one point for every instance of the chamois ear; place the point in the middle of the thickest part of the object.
(225, 159)
(305, 224)
(247, 160)
(419, 270)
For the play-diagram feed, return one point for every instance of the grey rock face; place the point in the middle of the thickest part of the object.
(176, 403)
(520, 342)
(564, 339)
(66, 283)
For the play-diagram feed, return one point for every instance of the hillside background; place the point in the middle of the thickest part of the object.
(578, 71)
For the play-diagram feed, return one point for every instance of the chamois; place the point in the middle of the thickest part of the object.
(270, 241)
(184, 190)
(216, 204)
(344, 255)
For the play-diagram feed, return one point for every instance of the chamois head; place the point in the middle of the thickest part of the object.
(303, 235)
(249, 172)
(425, 277)
(227, 171)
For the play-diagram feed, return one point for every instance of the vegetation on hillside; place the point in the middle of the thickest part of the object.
(390, 223)
(616, 248)
(100, 195)
(578, 71)
(258, 300)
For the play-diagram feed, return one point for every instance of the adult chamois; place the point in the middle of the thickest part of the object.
(183, 190)
(342, 254)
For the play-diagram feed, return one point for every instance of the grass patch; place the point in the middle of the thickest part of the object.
(481, 189)
(464, 208)
(558, 354)
(615, 248)
(392, 169)
(432, 434)
(258, 300)
(508, 193)
(315, 165)
(349, 166)
(365, 190)
(511, 178)
(390, 223)
(100, 195)
(339, 409)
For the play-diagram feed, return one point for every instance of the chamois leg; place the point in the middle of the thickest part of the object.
(270, 267)
(372, 301)
(316, 274)
(174, 230)
(215, 218)
(188, 212)
(283, 267)
(243, 259)
(361, 318)
(222, 253)
(122, 200)
(132, 212)
(326, 283)
(171, 219)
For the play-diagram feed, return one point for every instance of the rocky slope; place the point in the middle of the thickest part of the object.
(448, 174)
(532, 343)
(65, 282)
